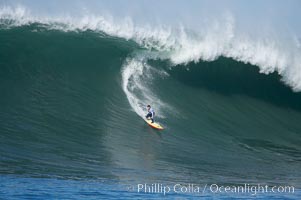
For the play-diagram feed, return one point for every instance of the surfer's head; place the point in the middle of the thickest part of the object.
(148, 106)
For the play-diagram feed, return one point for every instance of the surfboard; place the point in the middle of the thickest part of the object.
(154, 125)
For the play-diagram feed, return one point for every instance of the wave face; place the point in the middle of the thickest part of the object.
(74, 90)
(269, 50)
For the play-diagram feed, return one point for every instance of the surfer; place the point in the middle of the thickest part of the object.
(151, 113)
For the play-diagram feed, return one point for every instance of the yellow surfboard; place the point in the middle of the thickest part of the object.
(154, 125)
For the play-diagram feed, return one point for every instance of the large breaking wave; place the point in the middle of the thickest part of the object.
(177, 44)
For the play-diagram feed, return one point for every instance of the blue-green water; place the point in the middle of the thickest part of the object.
(70, 124)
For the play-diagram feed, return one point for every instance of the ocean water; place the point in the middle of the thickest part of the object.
(73, 96)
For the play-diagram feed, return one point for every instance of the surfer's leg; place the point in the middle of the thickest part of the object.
(148, 115)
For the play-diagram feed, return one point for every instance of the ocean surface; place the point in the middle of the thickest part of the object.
(71, 118)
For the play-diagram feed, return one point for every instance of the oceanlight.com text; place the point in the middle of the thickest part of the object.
(251, 189)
